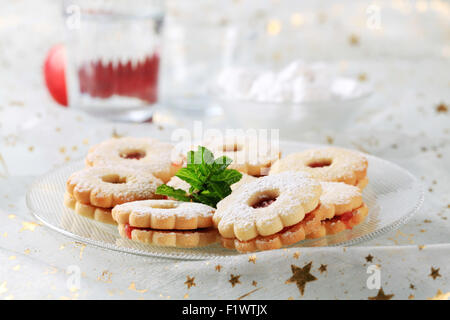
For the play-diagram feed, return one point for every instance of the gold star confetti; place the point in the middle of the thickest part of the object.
(434, 273)
(132, 287)
(218, 268)
(369, 258)
(186, 296)
(273, 27)
(353, 40)
(296, 255)
(301, 276)
(381, 296)
(412, 287)
(440, 296)
(254, 283)
(252, 259)
(30, 226)
(234, 280)
(323, 268)
(421, 247)
(411, 296)
(27, 251)
(190, 282)
(441, 108)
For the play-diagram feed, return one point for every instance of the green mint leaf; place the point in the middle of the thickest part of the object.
(221, 188)
(190, 177)
(230, 176)
(221, 163)
(177, 194)
(207, 198)
(209, 179)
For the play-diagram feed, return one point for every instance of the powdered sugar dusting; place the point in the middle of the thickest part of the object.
(338, 193)
(137, 185)
(167, 208)
(157, 155)
(294, 190)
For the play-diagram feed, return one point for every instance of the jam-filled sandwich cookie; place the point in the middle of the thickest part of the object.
(269, 213)
(327, 164)
(142, 153)
(166, 223)
(251, 157)
(88, 211)
(343, 208)
(105, 187)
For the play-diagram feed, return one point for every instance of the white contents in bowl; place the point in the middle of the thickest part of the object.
(295, 83)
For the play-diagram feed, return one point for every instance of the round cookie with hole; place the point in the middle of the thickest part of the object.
(166, 222)
(269, 212)
(250, 155)
(327, 164)
(145, 154)
(95, 213)
(106, 187)
(343, 206)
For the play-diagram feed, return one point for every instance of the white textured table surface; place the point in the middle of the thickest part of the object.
(406, 121)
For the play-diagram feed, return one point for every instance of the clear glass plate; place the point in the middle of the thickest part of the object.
(393, 195)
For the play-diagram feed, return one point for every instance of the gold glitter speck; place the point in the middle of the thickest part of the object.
(273, 27)
(132, 287)
(440, 296)
(30, 226)
(252, 259)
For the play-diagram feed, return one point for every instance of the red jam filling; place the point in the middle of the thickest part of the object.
(129, 229)
(263, 203)
(134, 155)
(344, 218)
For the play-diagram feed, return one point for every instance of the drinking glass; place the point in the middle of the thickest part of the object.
(113, 57)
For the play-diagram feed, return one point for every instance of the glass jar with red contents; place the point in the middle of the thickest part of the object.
(113, 56)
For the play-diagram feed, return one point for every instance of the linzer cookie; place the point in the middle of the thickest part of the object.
(145, 154)
(106, 187)
(265, 214)
(343, 208)
(252, 157)
(327, 164)
(166, 223)
(88, 211)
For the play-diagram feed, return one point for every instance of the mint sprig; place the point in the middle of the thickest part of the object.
(209, 179)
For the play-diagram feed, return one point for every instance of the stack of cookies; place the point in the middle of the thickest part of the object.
(278, 201)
